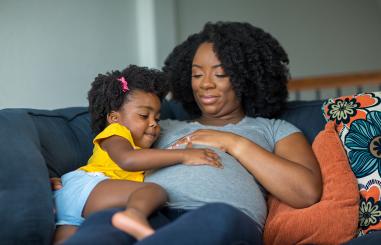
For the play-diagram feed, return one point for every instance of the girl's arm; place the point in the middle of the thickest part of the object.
(122, 153)
(291, 173)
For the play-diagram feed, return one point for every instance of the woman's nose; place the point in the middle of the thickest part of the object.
(207, 82)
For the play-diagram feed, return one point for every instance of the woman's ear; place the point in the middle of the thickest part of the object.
(113, 117)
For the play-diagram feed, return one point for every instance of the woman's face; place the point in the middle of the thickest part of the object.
(211, 86)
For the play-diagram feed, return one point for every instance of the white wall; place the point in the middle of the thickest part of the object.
(166, 28)
(320, 36)
(50, 50)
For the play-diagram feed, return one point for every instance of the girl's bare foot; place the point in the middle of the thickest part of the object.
(133, 222)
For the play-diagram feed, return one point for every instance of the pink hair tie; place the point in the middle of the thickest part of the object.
(123, 83)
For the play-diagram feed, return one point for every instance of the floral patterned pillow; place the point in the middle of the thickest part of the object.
(358, 122)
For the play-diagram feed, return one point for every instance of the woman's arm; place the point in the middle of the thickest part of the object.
(123, 154)
(291, 173)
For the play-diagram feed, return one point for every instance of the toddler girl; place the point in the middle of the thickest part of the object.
(125, 110)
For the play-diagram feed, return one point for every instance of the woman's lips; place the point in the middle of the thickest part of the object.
(207, 100)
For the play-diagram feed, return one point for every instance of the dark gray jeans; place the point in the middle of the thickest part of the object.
(212, 224)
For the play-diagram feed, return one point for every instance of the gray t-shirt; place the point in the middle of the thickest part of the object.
(190, 187)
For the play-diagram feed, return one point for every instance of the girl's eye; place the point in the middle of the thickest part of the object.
(157, 120)
(143, 116)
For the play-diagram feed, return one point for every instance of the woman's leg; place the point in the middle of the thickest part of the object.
(97, 229)
(212, 224)
(141, 200)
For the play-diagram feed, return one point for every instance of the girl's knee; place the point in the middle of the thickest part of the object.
(157, 188)
(154, 186)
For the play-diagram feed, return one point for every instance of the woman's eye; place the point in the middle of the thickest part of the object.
(196, 76)
(221, 75)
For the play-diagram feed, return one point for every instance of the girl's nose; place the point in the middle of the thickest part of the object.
(153, 124)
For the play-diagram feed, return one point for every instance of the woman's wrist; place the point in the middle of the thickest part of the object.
(182, 154)
(237, 144)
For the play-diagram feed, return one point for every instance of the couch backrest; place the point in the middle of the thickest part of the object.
(307, 116)
(62, 137)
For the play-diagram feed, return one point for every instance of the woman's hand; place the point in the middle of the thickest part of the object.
(55, 183)
(214, 138)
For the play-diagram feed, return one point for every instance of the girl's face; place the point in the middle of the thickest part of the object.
(140, 114)
(211, 87)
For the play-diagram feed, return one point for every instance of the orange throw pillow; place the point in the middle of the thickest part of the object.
(334, 219)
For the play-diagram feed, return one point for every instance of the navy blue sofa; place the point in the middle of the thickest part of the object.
(38, 144)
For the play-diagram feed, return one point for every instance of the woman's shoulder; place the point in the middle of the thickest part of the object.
(270, 123)
(274, 129)
(261, 121)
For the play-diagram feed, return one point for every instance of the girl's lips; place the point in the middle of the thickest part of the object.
(207, 100)
(150, 135)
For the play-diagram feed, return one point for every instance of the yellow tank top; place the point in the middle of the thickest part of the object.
(100, 160)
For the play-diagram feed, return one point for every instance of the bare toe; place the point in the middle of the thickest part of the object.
(132, 222)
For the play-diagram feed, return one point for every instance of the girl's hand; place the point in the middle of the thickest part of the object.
(219, 139)
(193, 156)
(55, 183)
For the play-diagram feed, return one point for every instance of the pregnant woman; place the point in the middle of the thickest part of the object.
(232, 78)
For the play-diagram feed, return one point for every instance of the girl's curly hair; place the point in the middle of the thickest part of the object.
(253, 59)
(106, 92)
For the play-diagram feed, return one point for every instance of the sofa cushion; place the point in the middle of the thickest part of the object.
(306, 115)
(65, 138)
(333, 220)
(358, 122)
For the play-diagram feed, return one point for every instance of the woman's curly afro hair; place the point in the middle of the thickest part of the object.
(106, 92)
(253, 59)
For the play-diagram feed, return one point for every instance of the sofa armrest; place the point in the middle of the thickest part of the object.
(25, 194)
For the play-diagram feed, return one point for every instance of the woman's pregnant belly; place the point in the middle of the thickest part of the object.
(190, 187)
